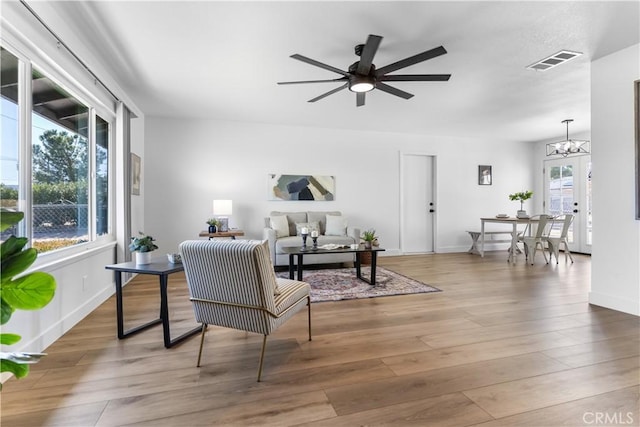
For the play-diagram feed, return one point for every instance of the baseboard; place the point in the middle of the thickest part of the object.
(62, 326)
(488, 247)
(613, 302)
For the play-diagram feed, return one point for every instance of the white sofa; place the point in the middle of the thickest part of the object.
(337, 234)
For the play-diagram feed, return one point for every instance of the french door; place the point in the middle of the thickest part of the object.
(417, 203)
(567, 183)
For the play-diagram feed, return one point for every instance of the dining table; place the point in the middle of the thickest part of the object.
(513, 222)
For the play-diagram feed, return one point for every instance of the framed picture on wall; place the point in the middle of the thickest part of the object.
(135, 174)
(485, 177)
(636, 116)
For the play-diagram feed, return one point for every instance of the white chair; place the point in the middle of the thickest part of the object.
(232, 284)
(555, 241)
(532, 240)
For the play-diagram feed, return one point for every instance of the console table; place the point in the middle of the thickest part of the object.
(300, 252)
(158, 267)
(231, 233)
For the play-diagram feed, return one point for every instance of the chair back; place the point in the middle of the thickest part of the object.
(568, 219)
(541, 223)
(231, 282)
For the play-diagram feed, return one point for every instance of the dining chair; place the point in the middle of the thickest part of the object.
(554, 242)
(232, 284)
(534, 239)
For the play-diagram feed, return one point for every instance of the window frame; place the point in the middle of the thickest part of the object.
(26, 64)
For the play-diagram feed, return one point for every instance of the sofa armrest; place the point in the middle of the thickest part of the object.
(270, 235)
(354, 232)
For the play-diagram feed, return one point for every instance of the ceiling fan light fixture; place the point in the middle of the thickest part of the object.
(361, 84)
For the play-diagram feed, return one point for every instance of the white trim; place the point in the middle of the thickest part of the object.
(614, 302)
(68, 257)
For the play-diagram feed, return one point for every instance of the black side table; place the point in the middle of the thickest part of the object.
(162, 269)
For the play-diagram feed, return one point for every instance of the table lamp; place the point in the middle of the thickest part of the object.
(223, 209)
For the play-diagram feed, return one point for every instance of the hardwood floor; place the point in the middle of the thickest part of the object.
(502, 345)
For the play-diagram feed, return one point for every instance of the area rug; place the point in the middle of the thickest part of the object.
(336, 284)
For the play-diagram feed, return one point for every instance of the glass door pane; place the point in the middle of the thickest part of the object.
(568, 191)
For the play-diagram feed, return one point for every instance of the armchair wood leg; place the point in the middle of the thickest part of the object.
(309, 310)
(204, 329)
(264, 345)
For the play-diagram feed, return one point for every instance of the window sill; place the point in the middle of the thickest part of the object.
(54, 261)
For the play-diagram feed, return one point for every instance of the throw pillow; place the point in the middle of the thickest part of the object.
(309, 225)
(280, 225)
(336, 225)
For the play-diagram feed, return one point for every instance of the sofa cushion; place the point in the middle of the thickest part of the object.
(336, 225)
(321, 218)
(312, 225)
(280, 224)
(292, 218)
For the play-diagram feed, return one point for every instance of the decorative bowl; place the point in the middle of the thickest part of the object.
(174, 258)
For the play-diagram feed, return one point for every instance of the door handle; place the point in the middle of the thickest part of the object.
(575, 211)
(431, 210)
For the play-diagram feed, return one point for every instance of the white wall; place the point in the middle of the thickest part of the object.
(188, 163)
(615, 280)
(82, 281)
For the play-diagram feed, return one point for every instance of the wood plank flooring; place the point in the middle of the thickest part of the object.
(502, 345)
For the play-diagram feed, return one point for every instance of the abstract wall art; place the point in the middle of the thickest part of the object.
(301, 187)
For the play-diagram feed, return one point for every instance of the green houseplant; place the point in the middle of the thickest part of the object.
(521, 196)
(142, 246)
(368, 236)
(213, 224)
(19, 291)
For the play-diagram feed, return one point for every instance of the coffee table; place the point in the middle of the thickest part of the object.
(300, 252)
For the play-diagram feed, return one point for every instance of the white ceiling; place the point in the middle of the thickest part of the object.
(222, 60)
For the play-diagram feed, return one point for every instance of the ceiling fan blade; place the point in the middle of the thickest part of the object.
(331, 92)
(343, 79)
(368, 52)
(393, 91)
(319, 64)
(360, 99)
(411, 60)
(415, 78)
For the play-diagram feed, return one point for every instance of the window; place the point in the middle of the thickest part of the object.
(67, 163)
(9, 179)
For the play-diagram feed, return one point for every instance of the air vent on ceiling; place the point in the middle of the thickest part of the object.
(554, 60)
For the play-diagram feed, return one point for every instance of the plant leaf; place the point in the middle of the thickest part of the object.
(30, 292)
(17, 263)
(9, 339)
(5, 312)
(9, 218)
(18, 369)
(12, 246)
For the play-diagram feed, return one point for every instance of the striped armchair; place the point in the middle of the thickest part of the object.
(232, 284)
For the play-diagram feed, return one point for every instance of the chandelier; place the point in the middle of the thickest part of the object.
(568, 146)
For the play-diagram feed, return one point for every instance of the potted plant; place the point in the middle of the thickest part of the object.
(369, 236)
(142, 246)
(521, 196)
(213, 223)
(30, 291)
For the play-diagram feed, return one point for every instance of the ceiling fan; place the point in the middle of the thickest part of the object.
(363, 76)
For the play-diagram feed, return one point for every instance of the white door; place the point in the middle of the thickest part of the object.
(567, 186)
(417, 204)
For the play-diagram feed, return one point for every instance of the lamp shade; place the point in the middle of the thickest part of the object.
(222, 207)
